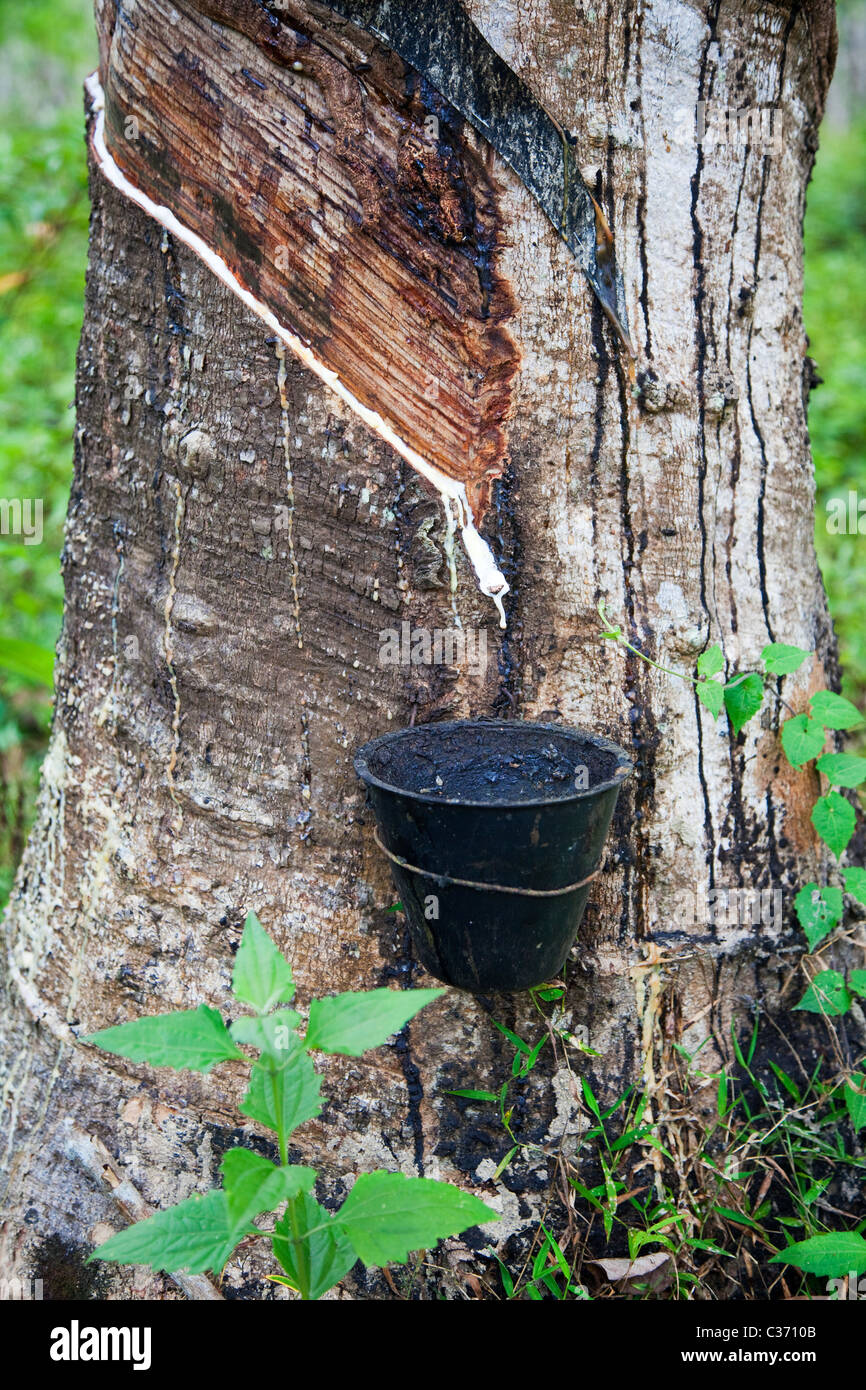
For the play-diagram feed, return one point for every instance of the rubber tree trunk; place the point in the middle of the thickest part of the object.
(238, 539)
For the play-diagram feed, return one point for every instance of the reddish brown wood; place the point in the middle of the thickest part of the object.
(298, 150)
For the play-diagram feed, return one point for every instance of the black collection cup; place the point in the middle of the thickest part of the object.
(494, 830)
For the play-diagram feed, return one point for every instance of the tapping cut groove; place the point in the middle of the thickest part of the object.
(367, 244)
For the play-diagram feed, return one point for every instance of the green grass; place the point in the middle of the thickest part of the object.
(46, 49)
(710, 1179)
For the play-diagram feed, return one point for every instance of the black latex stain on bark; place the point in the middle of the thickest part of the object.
(402, 970)
(704, 89)
(637, 106)
(709, 829)
(644, 734)
(66, 1276)
(765, 172)
(745, 832)
(173, 295)
(225, 1137)
(734, 229)
(471, 1131)
(622, 818)
(474, 244)
(509, 557)
(604, 363)
(642, 729)
(736, 461)
(772, 844)
(762, 488)
(601, 376)
(736, 455)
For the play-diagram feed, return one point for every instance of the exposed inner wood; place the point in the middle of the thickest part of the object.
(351, 201)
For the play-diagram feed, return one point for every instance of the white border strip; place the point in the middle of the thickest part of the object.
(490, 579)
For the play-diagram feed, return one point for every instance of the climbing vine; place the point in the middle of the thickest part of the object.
(819, 908)
(687, 1223)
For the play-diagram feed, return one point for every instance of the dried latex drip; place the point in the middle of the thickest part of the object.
(491, 581)
(451, 558)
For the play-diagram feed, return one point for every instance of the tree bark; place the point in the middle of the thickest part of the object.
(238, 538)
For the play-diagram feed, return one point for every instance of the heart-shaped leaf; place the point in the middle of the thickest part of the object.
(834, 710)
(843, 769)
(711, 662)
(834, 819)
(711, 695)
(802, 739)
(781, 660)
(818, 911)
(743, 698)
(827, 994)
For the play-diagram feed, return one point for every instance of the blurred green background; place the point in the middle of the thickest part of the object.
(46, 49)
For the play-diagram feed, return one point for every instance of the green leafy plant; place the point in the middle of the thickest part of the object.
(836, 1252)
(819, 908)
(385, 1216)
(754, 1179)
(782, 1133)
(803, 737)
